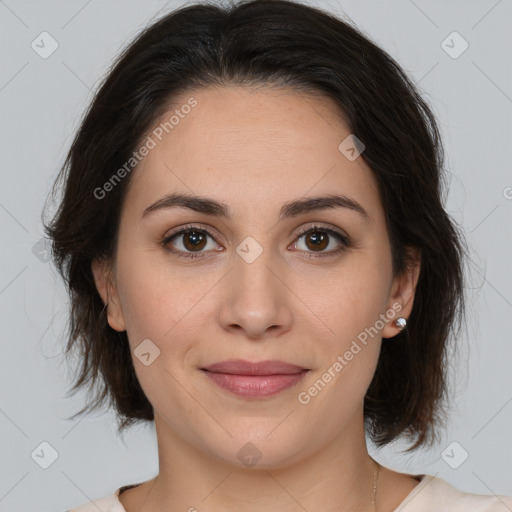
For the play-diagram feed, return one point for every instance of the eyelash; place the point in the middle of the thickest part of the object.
(344, 240)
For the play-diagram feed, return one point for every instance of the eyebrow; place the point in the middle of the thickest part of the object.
(291, 209)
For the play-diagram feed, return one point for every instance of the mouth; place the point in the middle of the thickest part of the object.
(262, 368)
(255, 379)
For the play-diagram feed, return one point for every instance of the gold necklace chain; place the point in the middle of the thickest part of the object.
(375, 483)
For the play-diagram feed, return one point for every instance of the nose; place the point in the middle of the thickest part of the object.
(256, 299)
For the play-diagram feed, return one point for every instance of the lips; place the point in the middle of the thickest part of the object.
(241, 367)
(254, 379)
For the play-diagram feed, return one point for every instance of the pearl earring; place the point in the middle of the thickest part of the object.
(401, 323)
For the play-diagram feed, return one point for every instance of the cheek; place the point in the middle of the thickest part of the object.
(161, 305)
(348, 299)
(349, 338)
(349, 331)
(150, 303)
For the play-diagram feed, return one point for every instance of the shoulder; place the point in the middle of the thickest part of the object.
(107, 504)
(434, 494)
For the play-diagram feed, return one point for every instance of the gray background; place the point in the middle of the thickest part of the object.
(42, 101)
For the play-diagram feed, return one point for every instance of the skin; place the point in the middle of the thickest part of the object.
(254, 150)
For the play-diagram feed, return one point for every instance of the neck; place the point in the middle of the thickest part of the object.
(321, 476)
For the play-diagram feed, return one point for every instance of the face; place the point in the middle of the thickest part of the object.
(312, 287)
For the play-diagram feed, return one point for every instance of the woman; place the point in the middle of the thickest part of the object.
(259, 261)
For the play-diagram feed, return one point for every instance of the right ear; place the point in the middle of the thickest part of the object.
(107, 289)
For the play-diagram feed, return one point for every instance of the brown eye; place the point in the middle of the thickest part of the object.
(190, 242)
(193, 240)
(319, 240)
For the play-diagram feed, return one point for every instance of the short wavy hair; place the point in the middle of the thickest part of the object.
(265, 43)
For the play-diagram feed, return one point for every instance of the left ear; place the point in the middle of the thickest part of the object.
(401, 298)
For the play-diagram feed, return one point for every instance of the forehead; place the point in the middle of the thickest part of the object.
(250, 147)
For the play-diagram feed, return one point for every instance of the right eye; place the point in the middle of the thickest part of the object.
(192, 239)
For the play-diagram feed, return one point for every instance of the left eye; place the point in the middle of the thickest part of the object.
(319, 239)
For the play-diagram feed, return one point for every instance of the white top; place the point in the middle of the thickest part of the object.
(432, 494)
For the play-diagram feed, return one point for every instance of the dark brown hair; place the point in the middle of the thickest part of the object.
(256, 43)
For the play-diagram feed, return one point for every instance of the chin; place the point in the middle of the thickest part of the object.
(259, 452)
